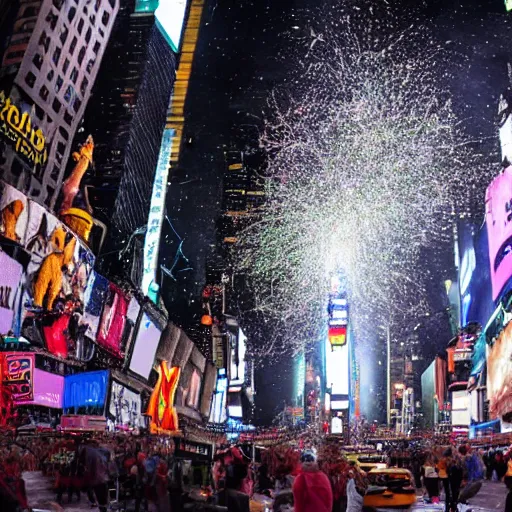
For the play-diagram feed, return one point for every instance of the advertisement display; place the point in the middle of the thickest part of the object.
(95, 294)
(499, 229)
(125, 406)
(161, 410)
(48, 389)
(237, 374)
(10, 278)
(113, 318)
(170, 16)
(499, 374)
(337, 369)
(146, 344)
(218, 410)
(85, 391)
(157, 207)
(460, 408)
(194, 390)
(17, 373)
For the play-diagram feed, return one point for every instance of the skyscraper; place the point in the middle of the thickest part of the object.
(53, 54)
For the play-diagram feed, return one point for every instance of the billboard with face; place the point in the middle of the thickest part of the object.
(499, 374)
(125, 406)
(56, 267)
(498, 217)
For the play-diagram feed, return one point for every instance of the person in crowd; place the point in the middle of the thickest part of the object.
(264, 482)
(96, 464)
(312, 490)
(442, 471)
(473, 464)
(500, 465)
(431, 479)
(354, 498)
(508, 500)
(230, 496)
(455, 477)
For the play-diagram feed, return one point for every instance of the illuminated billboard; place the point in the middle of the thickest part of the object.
(146, 344)
(498, 217)
(156, 212)
(499, 374)
(337, 369)
(170, 15)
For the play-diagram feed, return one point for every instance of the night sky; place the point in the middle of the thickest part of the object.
(247, 49)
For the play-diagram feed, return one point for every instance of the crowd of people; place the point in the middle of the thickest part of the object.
(291, 480)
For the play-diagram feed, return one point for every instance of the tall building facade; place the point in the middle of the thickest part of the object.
(49, 67)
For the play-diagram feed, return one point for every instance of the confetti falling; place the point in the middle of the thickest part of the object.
(368, 166)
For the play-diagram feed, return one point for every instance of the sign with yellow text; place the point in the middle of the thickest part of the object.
(16, 126)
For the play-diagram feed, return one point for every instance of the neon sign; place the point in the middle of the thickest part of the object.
(17, 127)
(164, 417)
(498, 218)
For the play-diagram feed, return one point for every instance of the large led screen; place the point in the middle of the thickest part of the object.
(170, 15)
(125, 406)
(499, 374)
(498, 217)
(85, 390)
(146, 344)
(337, 369)
(10, 278)
(48, 389)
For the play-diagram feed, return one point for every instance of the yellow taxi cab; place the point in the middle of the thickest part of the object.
(390, 488)
(368, 461)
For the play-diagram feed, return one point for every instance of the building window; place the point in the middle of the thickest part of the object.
(97, 5)
(90, 65)
(43, 92)
(28, 26)
(70, 94)
(68, 118)
(44, 41)
(49, 196)
(80, 26)
(30, 79)
(51, 19)
(72, 46)
(105, 18)
(54, 175)
(56, 105)
(96, 48)
(88, 35)
(63, 133)
(77, 104)
(59, 83)
(39, 112)
(101, 31)
(64, 35)
(71, 14)
(83, 86)
(37, 60)
(56, 55)
(74, 75)
(66, 66)
(50, 75)
(58, 3)
(92, 19)
(61, 148)
(81, 55)
(112, 3)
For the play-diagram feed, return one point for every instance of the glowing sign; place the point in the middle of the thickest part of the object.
(170, 16)
(508, 5)
(16, 126)
(338, 336)
(498, 217)
(337, 369)
(467, 267)
(336, 426)
(164, 417)
(156, 212)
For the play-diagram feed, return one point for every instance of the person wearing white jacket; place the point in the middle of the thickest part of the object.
(354, 499)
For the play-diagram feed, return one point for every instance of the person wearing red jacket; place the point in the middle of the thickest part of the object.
(312, 490)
